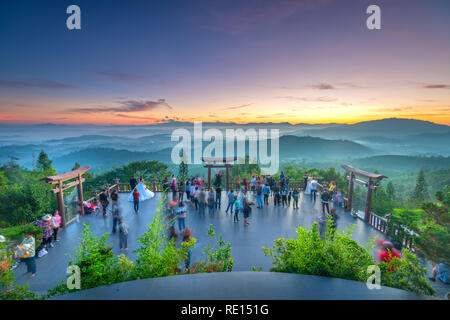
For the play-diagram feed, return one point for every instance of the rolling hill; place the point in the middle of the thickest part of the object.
(390, 128)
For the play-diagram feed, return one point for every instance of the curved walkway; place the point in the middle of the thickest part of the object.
(241, 286)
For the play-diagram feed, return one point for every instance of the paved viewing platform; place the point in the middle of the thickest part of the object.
(266, 224)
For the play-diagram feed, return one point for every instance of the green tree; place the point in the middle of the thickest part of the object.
(76, 166)
(3, 179)
(434, 236)
(44, 164)
(244, 170)
(25, 202)
(183, 172)
(421, 190)
(430, 225)
(382, 203)
(86, 175)
(390, 190)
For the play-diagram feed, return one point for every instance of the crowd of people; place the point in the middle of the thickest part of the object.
(258, 190)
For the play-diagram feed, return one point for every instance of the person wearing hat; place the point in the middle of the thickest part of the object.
(27, 249)
(47, 235)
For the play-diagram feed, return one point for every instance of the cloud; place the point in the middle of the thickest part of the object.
(136, 117)
(351, 85)
(309, 99)
(237, 107)
(120, 76)
(397, 109)
(321, 86)
(242, 16)
(126, 106)
(40, 83)
(436, 86)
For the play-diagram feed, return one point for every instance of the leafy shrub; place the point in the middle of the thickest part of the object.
(342, 257)
(406, 274)
(216, 260)
(98, 264)
(309, 254)
(401, 222)
(157, 255)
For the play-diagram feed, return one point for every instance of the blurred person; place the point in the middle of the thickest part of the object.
(104, 201)
(123, 234)
(237, 207)
(259, 192)
(266, 191)
(186, 237)
(181, 216)
(202, 202)
(27, 253)
(211, 199)
(230, 196)
(136, 196)
(325, 198)
(218, 197)
(295, 195)
(56, 223)
(441, 271)
(115, 211)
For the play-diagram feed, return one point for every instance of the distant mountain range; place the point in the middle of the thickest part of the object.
(105, 146)
(390, 128)
(290, 147)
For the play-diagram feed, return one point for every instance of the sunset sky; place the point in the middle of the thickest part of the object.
(138, 62)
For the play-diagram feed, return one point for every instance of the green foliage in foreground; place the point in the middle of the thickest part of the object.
(157, 256)
(216, 259)
(342, 257)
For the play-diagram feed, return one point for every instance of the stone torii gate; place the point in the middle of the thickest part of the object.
(372, 179)
(223, 163)
(59, 188)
